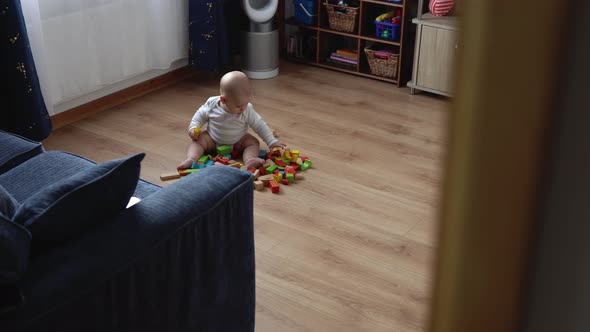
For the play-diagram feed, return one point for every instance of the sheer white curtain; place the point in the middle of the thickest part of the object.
(80, 46)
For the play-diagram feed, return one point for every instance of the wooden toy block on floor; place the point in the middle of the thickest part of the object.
(224, 149)
(266, 178)
(258, 185)
(271, 168)
(184, 172)
(169, 176)
(298, 176)
(256, 173)
(268, 163)
(274, 186)
(203, 159)
(291, 177)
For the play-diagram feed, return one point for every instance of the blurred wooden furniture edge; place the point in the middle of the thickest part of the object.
(104, 103)
(498, 122)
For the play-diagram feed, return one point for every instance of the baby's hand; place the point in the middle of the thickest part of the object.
(194, 133)
(278, 144)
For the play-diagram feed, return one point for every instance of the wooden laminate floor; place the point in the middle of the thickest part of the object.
(350, 248)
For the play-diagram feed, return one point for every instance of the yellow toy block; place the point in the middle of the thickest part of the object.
(279, 177)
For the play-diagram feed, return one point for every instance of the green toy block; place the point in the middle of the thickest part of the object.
(271, 168)
(291, 177)
(306, 165)
(287, 161)
(203, 159)
(280, 167)
(224, 149)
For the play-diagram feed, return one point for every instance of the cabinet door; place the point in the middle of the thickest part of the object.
(437, 58)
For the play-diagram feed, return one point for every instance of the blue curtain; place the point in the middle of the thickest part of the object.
(22, 109)
(208, 48)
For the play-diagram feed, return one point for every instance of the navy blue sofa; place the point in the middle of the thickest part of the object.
(182, 259)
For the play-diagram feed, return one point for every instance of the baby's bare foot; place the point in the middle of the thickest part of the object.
(185, 164)
(253, 162)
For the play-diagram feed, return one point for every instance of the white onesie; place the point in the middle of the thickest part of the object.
(227, 128)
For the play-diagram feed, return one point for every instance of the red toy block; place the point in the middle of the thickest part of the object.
(274, 186)
(289, 169)
(280, 162)
(276, 172)
(285, 182)
(222, 160)
(262, 170)
(304, 158)
(234, 154)
(295, 167)
(251, 170)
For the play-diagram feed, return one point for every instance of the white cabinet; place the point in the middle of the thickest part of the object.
(437, 43)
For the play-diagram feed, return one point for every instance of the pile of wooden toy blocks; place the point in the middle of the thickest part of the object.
(281, 166)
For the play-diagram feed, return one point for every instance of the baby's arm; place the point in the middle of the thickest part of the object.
(198, 121)
(256, 122)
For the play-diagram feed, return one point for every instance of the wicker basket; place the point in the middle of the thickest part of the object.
(381, 67)
(342, 18)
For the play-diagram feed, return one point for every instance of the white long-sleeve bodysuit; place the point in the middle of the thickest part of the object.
(227, 128)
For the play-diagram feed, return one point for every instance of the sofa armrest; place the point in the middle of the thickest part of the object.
(182, 258)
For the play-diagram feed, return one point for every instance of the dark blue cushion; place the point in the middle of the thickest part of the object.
(15, 149)
(144, 189)
(14, 250)
(8, 205)
(67, 207)
(36, 173)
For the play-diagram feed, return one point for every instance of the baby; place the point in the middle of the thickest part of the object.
(228, 117)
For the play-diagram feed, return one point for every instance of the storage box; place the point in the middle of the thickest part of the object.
(305, 11)
(387, 30)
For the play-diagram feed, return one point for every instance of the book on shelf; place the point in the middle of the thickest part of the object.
(345, 65)
(336, 57)
(347, 52)
(346, 56)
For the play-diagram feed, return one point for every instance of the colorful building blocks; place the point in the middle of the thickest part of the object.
(209, 163)
(287, 154)
(285, 182)
(184, 172)
(280, 163)
(234, 154)
(262, 154)
(298, 177)
(224, 149)
(256, 173)
(195, 165)
(279, 177)
(266, 178)
(262, 170)
(203, 159)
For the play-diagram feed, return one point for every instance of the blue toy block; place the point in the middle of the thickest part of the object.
(195, 165)
(209, 163)
(262, 154)
(282, 172)
(227, 156)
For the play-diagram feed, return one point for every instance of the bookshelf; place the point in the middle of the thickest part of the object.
(320, 41)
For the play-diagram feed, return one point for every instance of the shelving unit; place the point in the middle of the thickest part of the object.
(437, 44)
(328, 40)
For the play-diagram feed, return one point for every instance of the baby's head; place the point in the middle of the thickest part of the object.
(235, 92)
